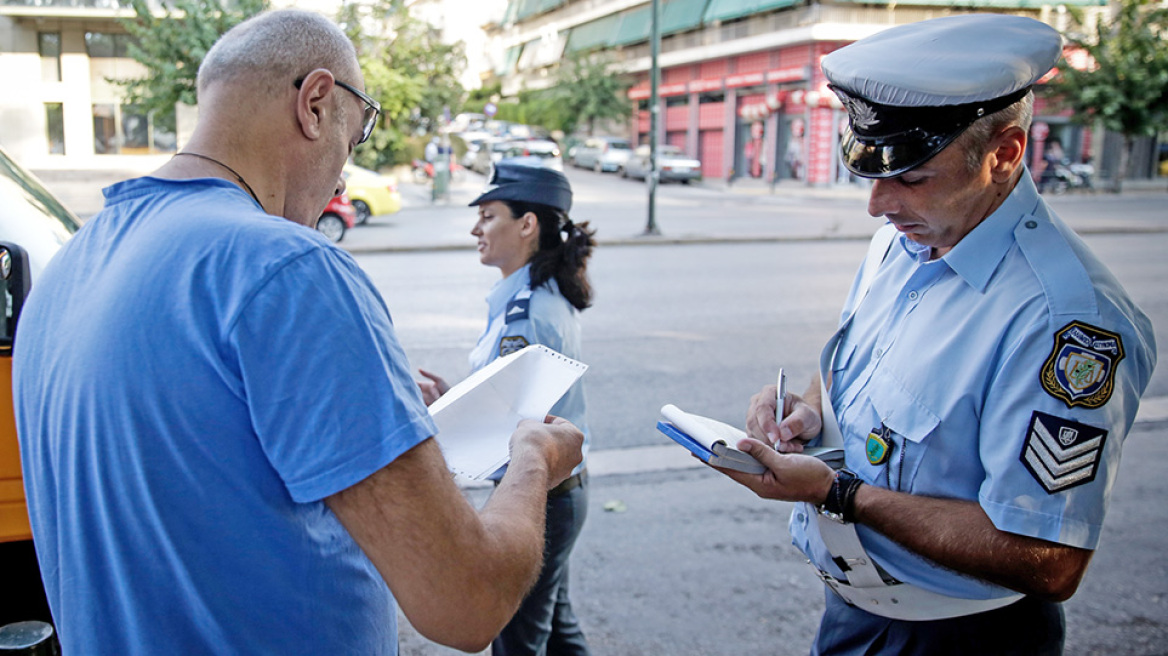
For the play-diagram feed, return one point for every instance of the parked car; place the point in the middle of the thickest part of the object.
(603, 154)
(672, 164)
(33, 226)
(541, 152)
(338, 216)
(491, 152)
(371, 193)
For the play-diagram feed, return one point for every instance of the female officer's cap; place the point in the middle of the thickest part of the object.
(912, 89)
(514, 180)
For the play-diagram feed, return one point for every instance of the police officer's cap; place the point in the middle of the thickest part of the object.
(912, 89)
(515, 180)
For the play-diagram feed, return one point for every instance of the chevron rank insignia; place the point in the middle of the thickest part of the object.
(1061, 453)
(509, 345)
(1081, 368)
(516, 310)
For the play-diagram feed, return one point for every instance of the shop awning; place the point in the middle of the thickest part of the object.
(507, 66)
(634, 26)
(594, 34)
(681, 15)
(976, 4)
(724, 10)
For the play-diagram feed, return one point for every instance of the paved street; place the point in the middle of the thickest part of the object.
(675, 559)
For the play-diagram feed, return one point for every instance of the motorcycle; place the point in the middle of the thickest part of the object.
(1062, 176)
(423, 171)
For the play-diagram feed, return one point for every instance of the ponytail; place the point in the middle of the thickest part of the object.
(564, 249)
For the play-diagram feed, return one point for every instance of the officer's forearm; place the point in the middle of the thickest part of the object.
(959, 535)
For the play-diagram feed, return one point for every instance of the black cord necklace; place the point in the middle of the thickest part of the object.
(233, 172)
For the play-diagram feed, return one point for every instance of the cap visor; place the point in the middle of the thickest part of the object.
(889, 160)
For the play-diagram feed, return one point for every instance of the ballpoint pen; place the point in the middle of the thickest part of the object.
(780, 400)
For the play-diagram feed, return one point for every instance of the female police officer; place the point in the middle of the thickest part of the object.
(523, 229)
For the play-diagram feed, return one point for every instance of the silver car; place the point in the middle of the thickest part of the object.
(603, 154)
(672, 164)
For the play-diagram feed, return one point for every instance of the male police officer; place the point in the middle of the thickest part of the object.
(984, 375)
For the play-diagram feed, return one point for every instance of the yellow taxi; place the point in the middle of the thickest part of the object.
(371, 193)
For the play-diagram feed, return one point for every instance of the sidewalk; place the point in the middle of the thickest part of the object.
(746, 211)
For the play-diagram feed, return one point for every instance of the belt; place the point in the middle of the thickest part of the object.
(867, 589)
(570, 483)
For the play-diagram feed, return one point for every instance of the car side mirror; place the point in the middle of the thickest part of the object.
(16, 279)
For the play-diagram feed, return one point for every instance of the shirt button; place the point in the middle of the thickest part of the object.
(912, 296)
(879, 352)
(1032, 224)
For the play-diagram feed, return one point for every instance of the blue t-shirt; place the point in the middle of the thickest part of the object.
(1007, 372)
(192, 378)
(517, 316)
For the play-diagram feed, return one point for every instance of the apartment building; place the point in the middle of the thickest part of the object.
(741, 86)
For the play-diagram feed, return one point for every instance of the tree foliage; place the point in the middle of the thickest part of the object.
(1126, 86)
(172, 45)
(408, 70)
(587, 92)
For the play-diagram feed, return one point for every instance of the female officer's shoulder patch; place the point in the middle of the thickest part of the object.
(509, 345)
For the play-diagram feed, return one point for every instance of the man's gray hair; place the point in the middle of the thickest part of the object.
(272, 49)
(975, 141)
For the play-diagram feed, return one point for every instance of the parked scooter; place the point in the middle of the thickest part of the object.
(1062, 176)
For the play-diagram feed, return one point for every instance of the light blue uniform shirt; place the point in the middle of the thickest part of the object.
(1007, 372)
(518, 316)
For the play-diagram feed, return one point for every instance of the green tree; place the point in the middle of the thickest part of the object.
(172, 46)
(1125, 86)
(586, 92)
(408, 70)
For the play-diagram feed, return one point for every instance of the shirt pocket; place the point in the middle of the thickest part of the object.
(842, 357)
(911, 423)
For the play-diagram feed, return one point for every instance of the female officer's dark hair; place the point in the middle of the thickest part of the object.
(564, 247)
(563, 252)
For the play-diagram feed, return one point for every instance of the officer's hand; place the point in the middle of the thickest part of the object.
(432, 388)
(801, 420)
(555, 441)
(789, 476)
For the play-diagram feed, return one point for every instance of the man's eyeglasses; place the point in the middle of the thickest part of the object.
(372, 107)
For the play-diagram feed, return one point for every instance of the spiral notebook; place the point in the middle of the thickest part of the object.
(476, 417)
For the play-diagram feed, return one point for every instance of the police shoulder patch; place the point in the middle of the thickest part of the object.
(1061, 453)
(509, 345)
(1081, 367)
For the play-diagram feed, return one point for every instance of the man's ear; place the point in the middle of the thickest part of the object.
(1007, 151)
(311, 105)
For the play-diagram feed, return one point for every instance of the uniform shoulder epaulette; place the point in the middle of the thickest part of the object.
(1065, 281)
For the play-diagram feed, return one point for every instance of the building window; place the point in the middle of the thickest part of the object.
(55, 128)
(107, 44)
(49, 44)
(676, 101)
(105, 133)
(130, 130)
(712, 97)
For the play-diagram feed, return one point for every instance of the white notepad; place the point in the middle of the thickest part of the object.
(477, 417)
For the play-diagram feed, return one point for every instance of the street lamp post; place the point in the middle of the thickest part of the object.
(654, 112)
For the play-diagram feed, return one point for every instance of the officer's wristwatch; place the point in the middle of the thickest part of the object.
(841, 497)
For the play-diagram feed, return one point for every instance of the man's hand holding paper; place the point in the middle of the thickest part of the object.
(555, 440)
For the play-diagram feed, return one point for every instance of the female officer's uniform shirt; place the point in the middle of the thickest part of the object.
(518, 316)
(1006, 372)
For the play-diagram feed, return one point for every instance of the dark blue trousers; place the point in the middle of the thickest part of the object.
(1028, 627)
(545, 623)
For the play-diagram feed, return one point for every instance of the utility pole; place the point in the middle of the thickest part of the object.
(654, 112)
